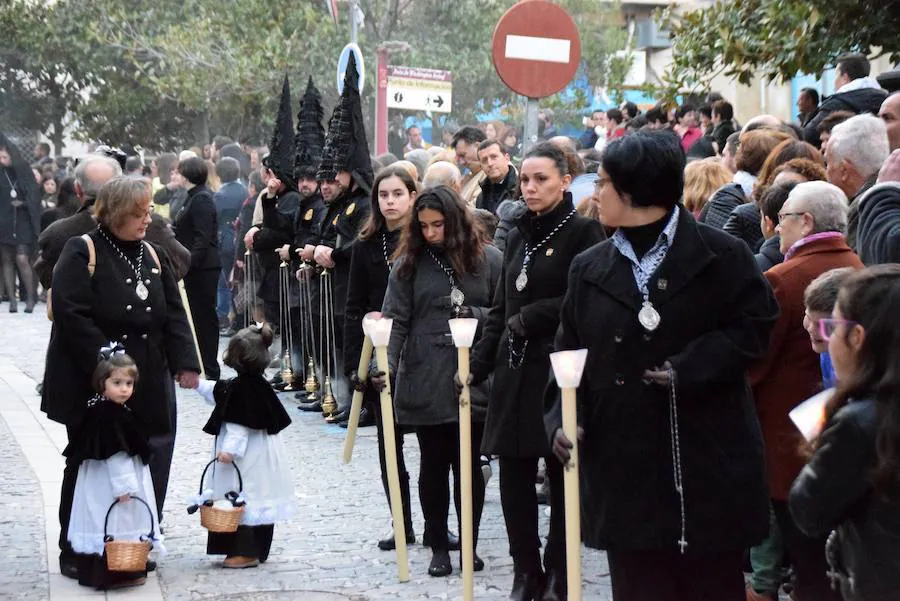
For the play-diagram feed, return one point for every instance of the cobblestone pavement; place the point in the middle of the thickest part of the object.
(327, 553)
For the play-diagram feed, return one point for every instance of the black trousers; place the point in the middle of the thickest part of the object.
(439, 450)
(668, 575)
(201, 289)
(807, 555)
(518, 497)
(370, 397)
(92, 571)
(248, 541)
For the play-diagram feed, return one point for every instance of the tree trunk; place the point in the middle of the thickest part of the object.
(436, 132)
(201, 128)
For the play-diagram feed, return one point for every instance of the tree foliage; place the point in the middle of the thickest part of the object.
(778, 38)
(176, 72)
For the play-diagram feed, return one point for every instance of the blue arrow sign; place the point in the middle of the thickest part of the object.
(342, 67)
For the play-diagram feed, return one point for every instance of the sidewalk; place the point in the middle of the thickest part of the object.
(327, 553)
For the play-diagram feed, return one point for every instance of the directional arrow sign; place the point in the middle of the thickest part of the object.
(415, 89)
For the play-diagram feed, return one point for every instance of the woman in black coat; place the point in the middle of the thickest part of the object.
(443, 270)
(671, 312)
(393, 195)
(515, 347)
(130, 298)
(196, 227)
(20, 223)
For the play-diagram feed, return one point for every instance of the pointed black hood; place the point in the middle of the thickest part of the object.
(310, 137)
(346, 147)
(281, 148)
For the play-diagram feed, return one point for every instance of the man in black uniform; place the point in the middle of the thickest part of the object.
(346, 173)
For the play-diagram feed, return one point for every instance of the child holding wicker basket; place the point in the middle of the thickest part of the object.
(247, 421)
(112, 526)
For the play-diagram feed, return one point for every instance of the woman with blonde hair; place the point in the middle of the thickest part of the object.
(701, 180)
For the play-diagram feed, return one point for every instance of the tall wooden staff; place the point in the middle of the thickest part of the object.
(190, 320)
(568, 367)
(380, 333)
(362, 371)
(463, 332)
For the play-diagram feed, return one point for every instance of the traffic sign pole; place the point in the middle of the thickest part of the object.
(530, 135)
(381, 107)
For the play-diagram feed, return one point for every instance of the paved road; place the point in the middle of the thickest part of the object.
(327, 553)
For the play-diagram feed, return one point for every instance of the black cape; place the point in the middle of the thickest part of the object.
(247, 400)
(109, 428)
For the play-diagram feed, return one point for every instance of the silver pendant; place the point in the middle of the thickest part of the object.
(457, 297)
(141, 291)
(522, 280)
(649, 316)
(13, 193)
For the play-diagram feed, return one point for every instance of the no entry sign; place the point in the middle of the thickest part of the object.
(536, 48)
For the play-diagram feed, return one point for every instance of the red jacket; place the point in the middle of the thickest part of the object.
(790, 373)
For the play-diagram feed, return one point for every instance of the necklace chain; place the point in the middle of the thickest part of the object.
(140, 257)
(676, 457)
(448, 271)
(387, 260)
(530, 250)
(12, 184)
(516, 357)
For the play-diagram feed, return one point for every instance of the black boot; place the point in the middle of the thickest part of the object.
(556, 589)
(440, 563)
(388, 543)
(526, 585)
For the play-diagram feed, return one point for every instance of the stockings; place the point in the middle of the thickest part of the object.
(13, 258)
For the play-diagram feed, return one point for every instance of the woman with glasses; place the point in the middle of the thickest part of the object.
(671, 312)
(811, 224)
(112, 285)
(850, 490)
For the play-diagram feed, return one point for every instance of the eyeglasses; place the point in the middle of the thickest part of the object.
(782, 216)
(828, 326)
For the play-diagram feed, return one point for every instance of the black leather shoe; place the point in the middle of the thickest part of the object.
(279, 386)
(151, 565)
(440, 564)
(452, 541)
(68, 567)
(477, 563)
(341, 416)
(388, 543)
(366, 419)
(526, 586)
(556, 587)
(314, 406)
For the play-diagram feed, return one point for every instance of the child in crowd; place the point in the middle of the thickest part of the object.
(819, 298)
(246, 422)
(851, 486)
(112, 450)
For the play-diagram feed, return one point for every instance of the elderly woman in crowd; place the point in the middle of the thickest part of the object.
(671, 313)
(110, 285)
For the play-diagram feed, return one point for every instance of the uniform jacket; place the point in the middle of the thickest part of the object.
(54, 238)
(340, 226)
(421, 352)
(276, 230)
(367, 285)
(789, 373)
(834, 492)
(716, 313)
(307, 222)
(90, 311)
(878, 236)
(515, 416)
(196, 227)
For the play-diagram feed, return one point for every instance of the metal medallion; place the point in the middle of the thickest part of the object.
(522, 280)
(141, 291)
(649, 316)
(13, 193)
(457, 297)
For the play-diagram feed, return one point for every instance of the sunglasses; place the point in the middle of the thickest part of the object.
(828, 326)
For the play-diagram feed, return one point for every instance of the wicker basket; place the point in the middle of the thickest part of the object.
(217, 519)
(127, 555)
